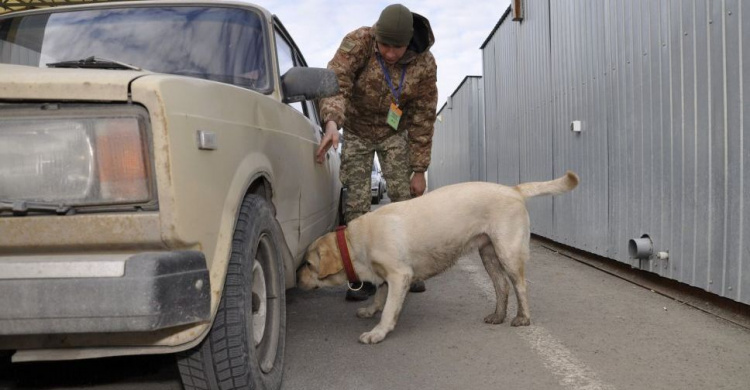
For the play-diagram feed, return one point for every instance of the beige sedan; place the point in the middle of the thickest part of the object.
(157, 184)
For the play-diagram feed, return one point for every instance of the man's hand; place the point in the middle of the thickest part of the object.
(330, 138)
(418, 184)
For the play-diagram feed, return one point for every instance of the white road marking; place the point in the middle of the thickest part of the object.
(572, 373)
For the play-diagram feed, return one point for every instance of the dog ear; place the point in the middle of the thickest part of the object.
(330, 260)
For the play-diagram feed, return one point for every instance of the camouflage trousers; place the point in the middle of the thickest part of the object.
(357, 156)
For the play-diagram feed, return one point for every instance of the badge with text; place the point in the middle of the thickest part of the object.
(394, 116)
(394, 113)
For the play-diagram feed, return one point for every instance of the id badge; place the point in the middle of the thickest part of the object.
(394, 116)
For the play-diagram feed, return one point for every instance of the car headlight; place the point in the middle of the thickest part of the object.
(89, 155)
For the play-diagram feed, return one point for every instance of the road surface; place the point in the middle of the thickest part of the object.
(590, 330)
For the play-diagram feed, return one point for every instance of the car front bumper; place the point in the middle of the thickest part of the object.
(102, 293)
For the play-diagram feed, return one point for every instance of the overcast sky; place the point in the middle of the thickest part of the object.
(460, 27)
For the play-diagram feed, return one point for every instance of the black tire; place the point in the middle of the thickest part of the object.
(245, 347)
(376, 199)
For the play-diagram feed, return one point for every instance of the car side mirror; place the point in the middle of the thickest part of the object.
(303, 83)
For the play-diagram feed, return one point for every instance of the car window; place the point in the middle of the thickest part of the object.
(286, 59)
(214, 43)
(311, 110)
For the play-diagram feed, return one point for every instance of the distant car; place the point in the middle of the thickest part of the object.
(377, 183)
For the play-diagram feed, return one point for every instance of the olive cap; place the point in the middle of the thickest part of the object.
(395, 26)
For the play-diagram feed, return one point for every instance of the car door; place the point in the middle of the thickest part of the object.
(318, 182)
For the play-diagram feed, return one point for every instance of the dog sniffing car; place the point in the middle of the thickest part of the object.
(422, 237)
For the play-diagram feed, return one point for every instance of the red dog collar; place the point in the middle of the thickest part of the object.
(344, 250)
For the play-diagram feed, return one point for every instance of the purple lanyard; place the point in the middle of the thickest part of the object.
(396, 94)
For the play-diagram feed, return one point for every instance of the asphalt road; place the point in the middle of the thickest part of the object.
(590, 330)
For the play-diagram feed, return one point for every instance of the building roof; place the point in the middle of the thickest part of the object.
(494, 29)
(456, 91)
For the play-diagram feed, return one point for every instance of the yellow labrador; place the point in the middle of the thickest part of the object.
(420, 238)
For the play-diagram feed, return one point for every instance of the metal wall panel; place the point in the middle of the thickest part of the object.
(535, 110)
(744, 245)
(579, 94)
(500, 69)
(518, 106)
(458, 142)
(735, 154)
(659, 88)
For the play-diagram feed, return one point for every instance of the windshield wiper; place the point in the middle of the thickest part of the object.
(22, 207)
(93, 63)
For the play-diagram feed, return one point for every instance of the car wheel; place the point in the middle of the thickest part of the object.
(376, 198)
(245, 346)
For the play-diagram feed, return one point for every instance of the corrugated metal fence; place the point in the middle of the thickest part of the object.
(659, 89)
(458, 143)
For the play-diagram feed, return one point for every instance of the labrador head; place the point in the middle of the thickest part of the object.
(322, 266)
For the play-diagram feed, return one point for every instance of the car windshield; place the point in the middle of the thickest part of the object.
(213, 43)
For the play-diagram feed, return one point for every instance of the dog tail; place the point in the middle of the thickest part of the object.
(557, 186)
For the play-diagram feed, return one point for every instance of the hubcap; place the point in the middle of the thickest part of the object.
(259, 303)
(266, 304)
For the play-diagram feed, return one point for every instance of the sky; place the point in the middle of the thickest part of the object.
(460, 28)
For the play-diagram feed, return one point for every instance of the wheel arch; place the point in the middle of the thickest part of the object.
(247, 181)
(210, 364)
(261, 185)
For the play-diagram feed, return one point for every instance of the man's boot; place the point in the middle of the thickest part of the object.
(417, 286)
(362, 294)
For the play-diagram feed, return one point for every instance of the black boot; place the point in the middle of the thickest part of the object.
(417, 287)
(362, 294)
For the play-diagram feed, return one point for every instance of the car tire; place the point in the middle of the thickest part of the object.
(376, 198)
(245, 346)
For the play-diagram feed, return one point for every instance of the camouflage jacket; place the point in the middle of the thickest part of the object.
(362, 105)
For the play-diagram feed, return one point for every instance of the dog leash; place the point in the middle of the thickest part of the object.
(344, 250)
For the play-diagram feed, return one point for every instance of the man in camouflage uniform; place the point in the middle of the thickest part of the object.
(387, 104)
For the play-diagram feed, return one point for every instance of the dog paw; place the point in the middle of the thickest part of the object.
(521, 321)
(372, 337)
(366, 312)
(494, 318)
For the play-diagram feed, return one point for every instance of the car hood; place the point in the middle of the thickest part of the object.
(30, 83)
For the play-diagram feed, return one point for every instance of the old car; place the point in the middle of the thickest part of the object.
(158, 185)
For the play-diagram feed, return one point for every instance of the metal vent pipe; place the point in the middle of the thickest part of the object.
(641, 248)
